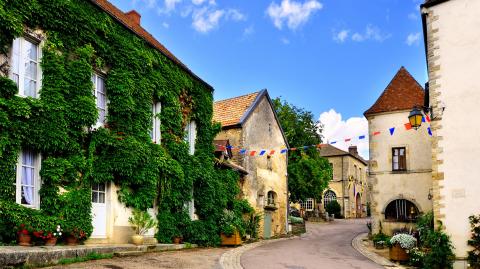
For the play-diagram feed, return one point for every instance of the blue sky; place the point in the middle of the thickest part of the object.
(316, 54)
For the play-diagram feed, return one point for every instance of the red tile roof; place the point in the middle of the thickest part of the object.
(403, 93)
(229, 112)
(130, 23)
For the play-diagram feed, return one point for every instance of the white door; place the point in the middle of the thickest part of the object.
(99, 210)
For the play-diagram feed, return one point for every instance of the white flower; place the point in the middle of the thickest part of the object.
(405, 241)
(60, 233)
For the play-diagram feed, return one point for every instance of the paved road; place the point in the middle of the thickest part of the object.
(324, 246)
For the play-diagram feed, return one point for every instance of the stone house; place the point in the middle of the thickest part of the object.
(109, 215)
(400, 163)
(250, 122)
(349, 183)
(452, 43)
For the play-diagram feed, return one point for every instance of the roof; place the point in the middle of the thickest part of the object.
(430, 3)
(233, 112)
(328, 150)
(230, 111)
(137, 29)
(402, 93)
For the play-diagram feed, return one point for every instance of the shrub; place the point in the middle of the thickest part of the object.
(405, 241)
(252, 224)
(141, 221)
(334, 208)
(474, 254)
(295, 220)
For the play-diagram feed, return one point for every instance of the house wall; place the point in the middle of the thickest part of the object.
(413, 184)
(454, 64)
(261, 131)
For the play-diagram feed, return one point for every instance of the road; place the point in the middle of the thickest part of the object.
(325, 246)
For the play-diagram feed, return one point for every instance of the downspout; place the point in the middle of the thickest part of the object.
(288, 199)
(343, 190)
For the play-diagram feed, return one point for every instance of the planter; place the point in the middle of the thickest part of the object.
(177, 240)
(397, 253)
(71, 241)
(24, 240)
(137, 239)
(232, 240)
(51, 241)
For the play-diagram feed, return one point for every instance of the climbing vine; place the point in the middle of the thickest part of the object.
(79, 38)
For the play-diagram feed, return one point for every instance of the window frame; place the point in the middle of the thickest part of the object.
(402, 159)
(21, 65)
(334, 196)
(191, 136)
(95, 76)
(37, 180)
(156, 134)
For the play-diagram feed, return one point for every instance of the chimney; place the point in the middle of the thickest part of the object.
(134, 16)
(353, 150)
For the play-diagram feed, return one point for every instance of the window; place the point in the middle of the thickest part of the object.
(361, 175)
(191, 135)
(101, 98)
(356, 172)
(25, 66)
(307, 204)
(155, 134)
(98, 193)
(329, 197)
(271, 198)
(399, 160)
(401, 210)
(28, 179)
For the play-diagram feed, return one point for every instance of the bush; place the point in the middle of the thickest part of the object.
(334, 208)
(295, 220)
(474, 255)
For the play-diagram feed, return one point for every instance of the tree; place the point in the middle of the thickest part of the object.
(308, 172)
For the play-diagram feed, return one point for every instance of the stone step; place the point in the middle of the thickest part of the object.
(128, 253)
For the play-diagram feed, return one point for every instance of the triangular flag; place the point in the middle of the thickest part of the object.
(229, 147)
(429, 131)
(333, 142)
(222, 147)
(252, 153)
(283, 151)
(361, 137)
(408, 126)
(293, 149)
(305, 147)
(376, 133)
(392, 130)
(423, 119)
(428, 118)
(348, 139)
(262, 152)
(243, 151)
(272, 152)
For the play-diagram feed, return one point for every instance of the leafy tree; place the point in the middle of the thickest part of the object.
(308, 172)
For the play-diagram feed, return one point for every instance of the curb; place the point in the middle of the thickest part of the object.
(231, 259)
(357, 244)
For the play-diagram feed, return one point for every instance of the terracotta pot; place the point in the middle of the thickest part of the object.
(51, 241)
(137, 239)
(24, 240)
(72, 241)
(397, 253)
(177, 240)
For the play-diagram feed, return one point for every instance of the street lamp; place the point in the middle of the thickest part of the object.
(415, 117)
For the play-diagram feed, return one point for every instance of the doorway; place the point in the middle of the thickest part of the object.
(267, 225)
(99, 210)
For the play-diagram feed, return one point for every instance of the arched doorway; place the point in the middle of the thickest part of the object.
(328, 197)
(358, 203)
(401, 210)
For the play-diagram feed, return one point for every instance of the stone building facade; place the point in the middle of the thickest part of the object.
(349, 183)
(250, 122)
(400, 162)
(452, 43)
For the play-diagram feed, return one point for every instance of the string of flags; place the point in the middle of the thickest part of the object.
(284, 150)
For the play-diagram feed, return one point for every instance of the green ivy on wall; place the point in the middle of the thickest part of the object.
(81, 38)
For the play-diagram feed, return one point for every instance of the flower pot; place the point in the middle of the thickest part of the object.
(232, 240)
(177, 240)
(51, 241)
(71, 241)
(397, 253)
(24, 240)
(137, 239)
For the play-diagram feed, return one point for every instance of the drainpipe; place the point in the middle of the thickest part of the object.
(288, 199)
(343, 190)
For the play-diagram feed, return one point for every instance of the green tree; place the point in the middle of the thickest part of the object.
(308, 172)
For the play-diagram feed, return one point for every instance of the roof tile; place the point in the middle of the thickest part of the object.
(229, 112)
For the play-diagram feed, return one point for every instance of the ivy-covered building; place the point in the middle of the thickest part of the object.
(96, 118)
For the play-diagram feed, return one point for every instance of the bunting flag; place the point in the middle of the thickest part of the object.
(243, 151)
(361, 137)
(306, 147)
(284, 151)
(429, 131)
(333, 142)
(272, 152)
(252, 153)
(348, 139)
(428, 118)
(262, 152)
(376, 133)
(423, 119)
(229, 147)
(392, 130)
(293, 149)
(408, 126)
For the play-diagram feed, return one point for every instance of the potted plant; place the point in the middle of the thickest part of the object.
(229, 228)
(141, 222)
(23, 235)
(400, 245)
(178, 238)
(49, 236)
(74, 236)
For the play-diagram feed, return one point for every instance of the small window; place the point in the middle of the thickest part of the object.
(98, 193)
(28, 179)
(307, 205)
(399, 159)
(401, 210)
(271, 198)
(25, 66)
(329, 197)
(100, 94)
(191, 135)
(155, 133)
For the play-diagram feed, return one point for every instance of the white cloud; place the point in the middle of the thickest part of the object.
(337, 129)
(341, 36)
(285, 41)
(293, 13)
(248, 31)
(199, 2)
(205, 19)
(235, 15)
(372, 32)
(165, 25)
(413, 39)
(147, 3)
(169, 6)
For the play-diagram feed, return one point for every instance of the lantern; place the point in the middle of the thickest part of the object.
(415, 118)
